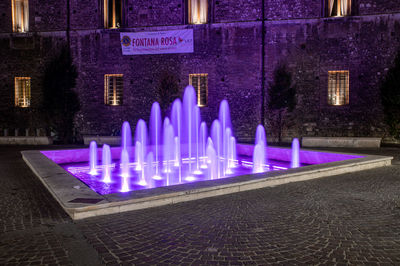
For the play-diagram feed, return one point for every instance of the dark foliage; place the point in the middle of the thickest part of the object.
(390, 97)
(282, 96)
(60, 101)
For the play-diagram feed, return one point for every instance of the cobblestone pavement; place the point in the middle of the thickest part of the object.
(345, 219)
(33, 227)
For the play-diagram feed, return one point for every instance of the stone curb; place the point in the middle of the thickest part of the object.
(65, 188)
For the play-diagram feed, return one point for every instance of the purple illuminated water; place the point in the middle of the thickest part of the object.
(178, 150)
(177, 175)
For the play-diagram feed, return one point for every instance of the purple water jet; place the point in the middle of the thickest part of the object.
(126, 136)
(203, 144)
(106, 163)
(125, 172)
(189, 101)
(155, 132)
(259, 154)
(197, 121)
(93, 158)
(295, 153)
(169, 149)
(140, 137)
(176, 118)
(216, 136)
(212, 161)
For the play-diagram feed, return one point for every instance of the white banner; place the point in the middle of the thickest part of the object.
(157, 42)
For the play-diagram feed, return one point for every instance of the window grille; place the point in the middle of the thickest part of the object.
(20, 15)
(198, 11)
(200, 84)
(338, 8)
(113, 89)
(338, 87)
(112, 14)
(22, 91)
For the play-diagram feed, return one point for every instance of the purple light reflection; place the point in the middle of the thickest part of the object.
(134, 181)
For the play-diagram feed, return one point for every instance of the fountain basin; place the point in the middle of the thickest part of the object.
(80, 202)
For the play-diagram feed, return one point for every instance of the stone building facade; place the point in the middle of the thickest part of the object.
(228, 47)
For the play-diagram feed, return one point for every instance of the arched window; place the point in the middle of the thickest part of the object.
(197, 11)
(337, 8)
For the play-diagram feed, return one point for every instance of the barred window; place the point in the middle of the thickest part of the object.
(197, 11)
(20, 15)
(338, 87)
(113, 89)
(338, 8)
(200, 84)
(112, 14)
(22, 91)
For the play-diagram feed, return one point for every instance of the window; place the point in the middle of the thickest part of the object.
(338, 87)
(113, 84)
(20, 15)
(338, 8)
(112, 14)
(200, 84)
(22, 91)
(197, 11)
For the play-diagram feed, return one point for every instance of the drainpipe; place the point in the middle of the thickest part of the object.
(262, 63)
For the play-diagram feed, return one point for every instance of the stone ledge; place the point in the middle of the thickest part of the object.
(345, 142)
(65, 188)
(25, 140)
(110, 140)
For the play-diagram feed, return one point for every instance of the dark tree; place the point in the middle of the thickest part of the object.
(282, 96)
(168, 90)
(390, 97)
(60, 101)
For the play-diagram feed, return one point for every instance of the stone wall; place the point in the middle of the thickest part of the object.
(229, 50)
(234, 11)
(292, 9)
(368, 7)
(363, 45)
(229, 54)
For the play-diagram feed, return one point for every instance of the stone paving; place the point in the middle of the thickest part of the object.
(346, 219)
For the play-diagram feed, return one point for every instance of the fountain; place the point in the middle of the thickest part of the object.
(172, 154)
(178, 149)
